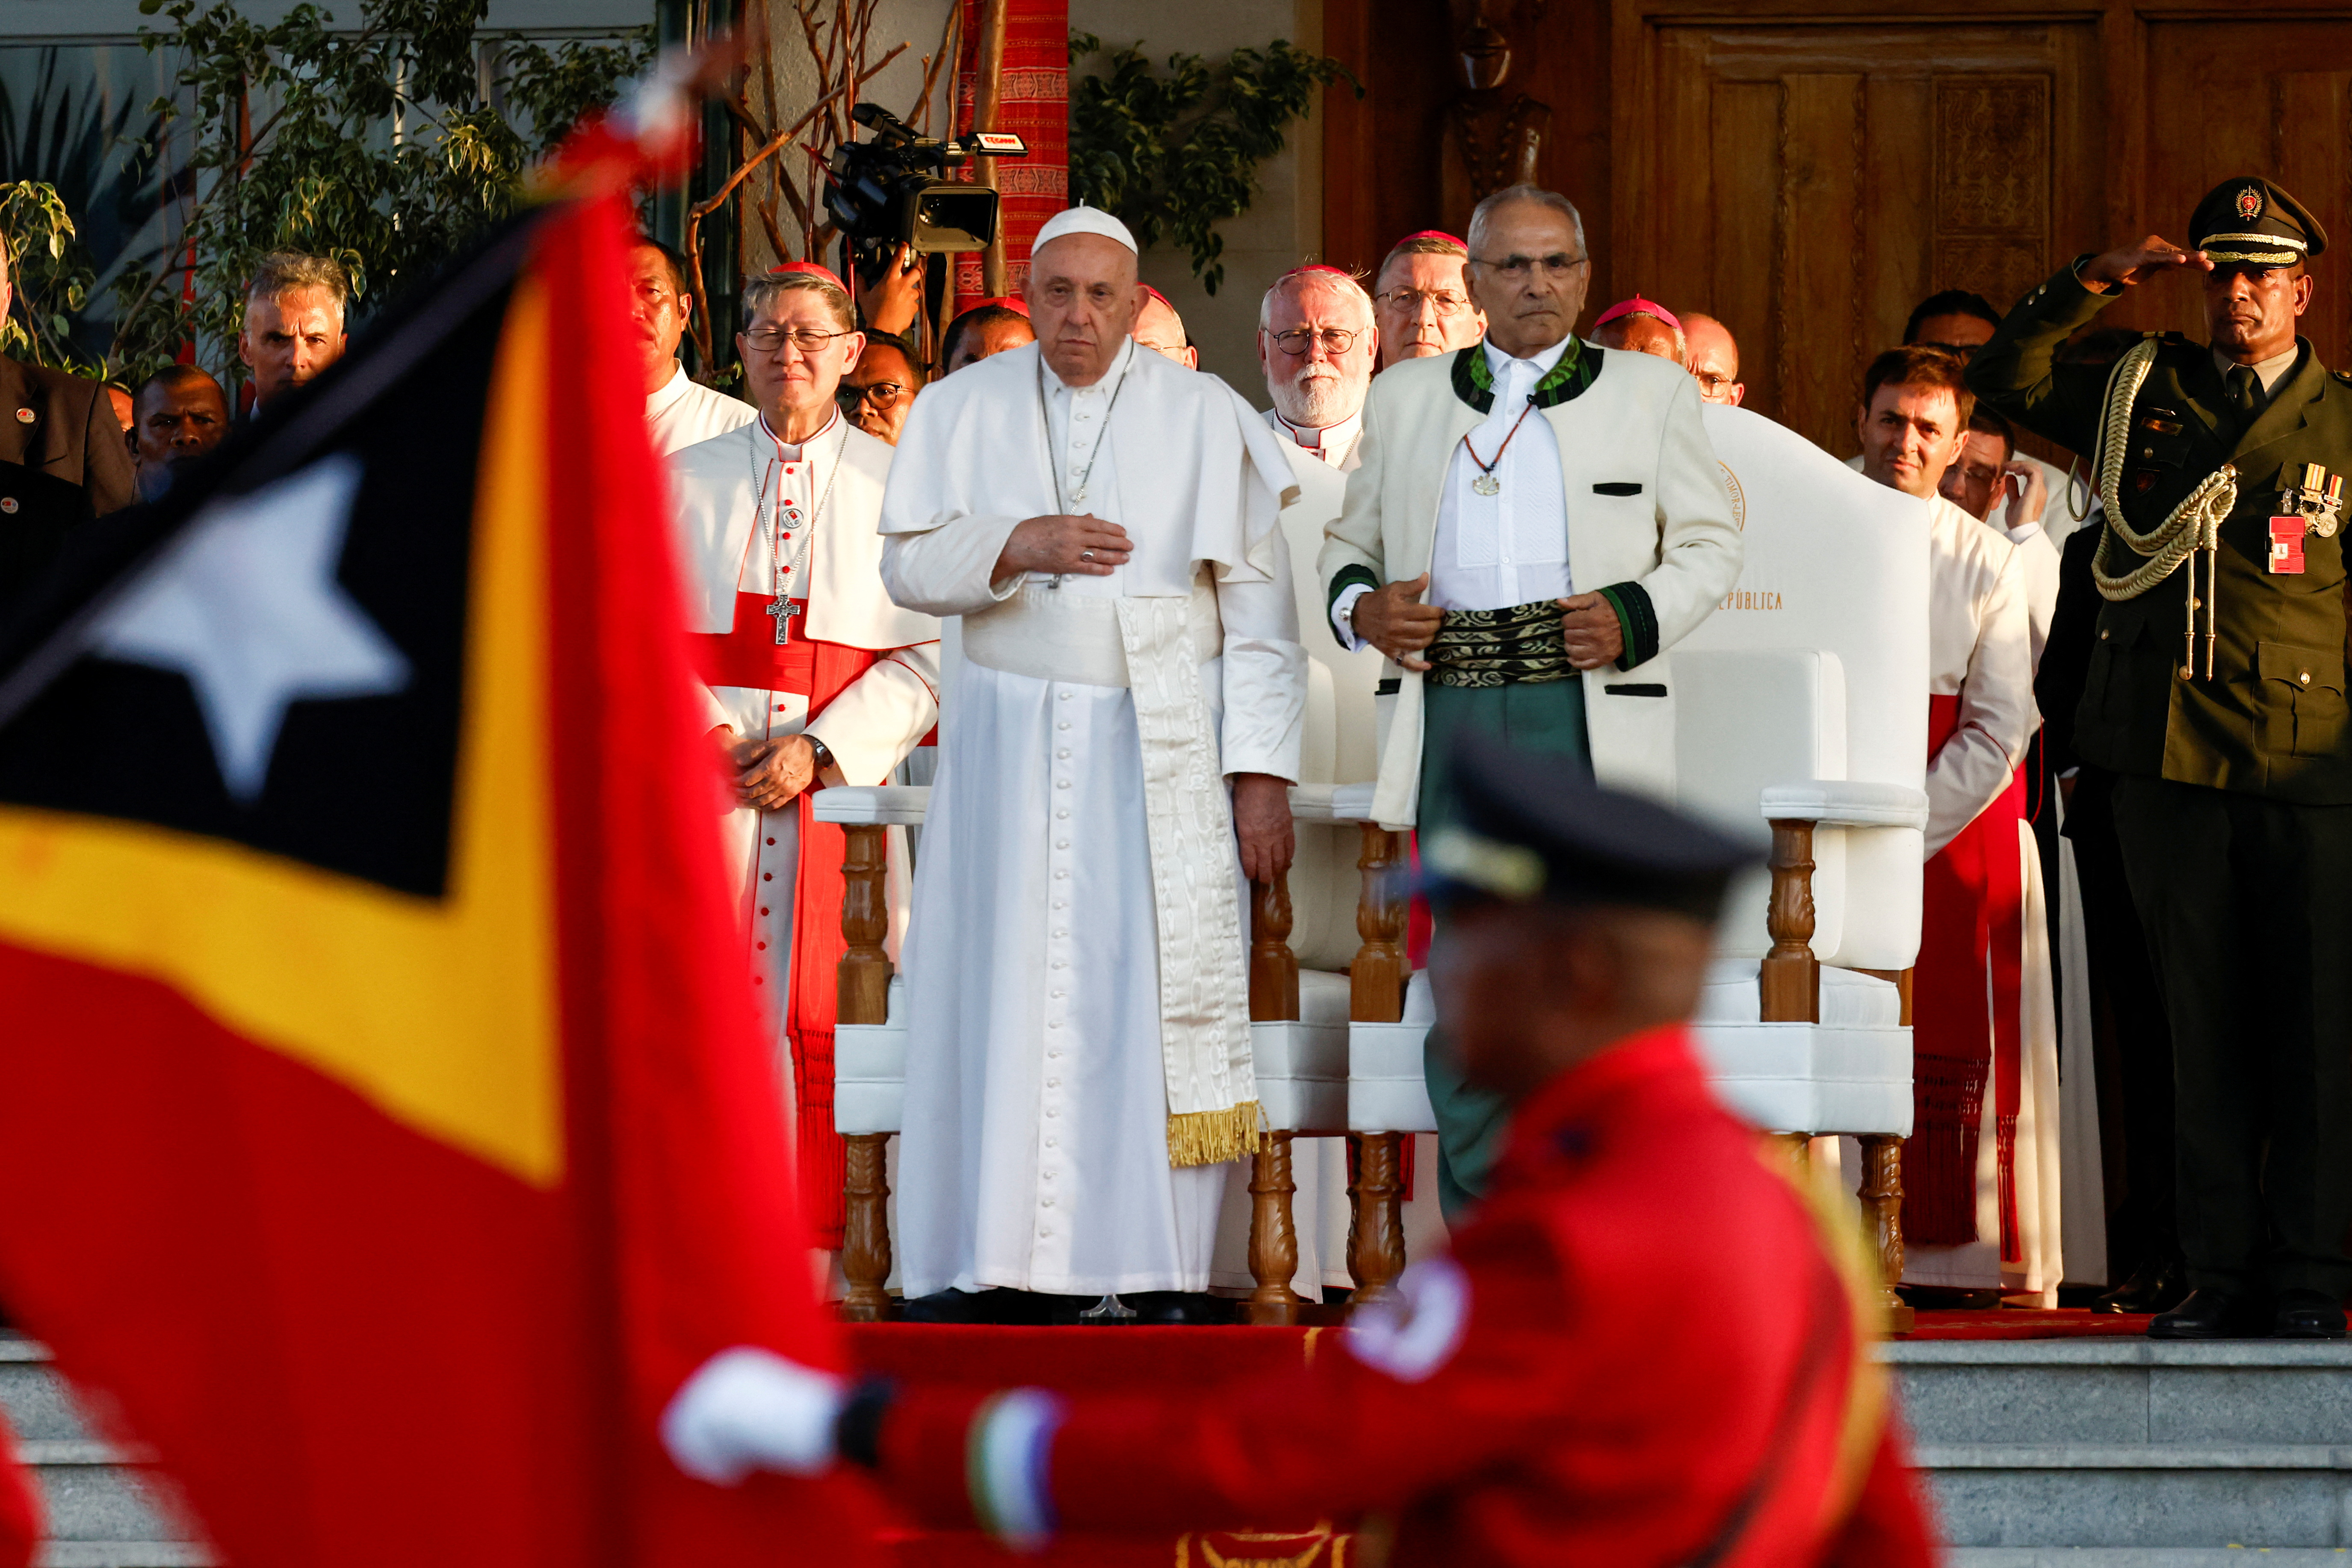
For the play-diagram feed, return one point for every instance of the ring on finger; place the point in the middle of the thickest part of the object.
(1085, 555)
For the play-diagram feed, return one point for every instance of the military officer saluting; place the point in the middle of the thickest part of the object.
(1542, 1395)
(2216, 691)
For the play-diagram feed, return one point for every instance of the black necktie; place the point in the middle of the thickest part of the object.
(2245, 389)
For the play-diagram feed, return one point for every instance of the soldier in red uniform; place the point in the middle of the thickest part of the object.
(1546, 1393)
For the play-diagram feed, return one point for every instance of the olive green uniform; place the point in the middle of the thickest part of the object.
(2233, 803)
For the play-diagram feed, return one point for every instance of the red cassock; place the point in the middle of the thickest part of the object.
(1647, 1347)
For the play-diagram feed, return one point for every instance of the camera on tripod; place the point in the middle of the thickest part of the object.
(893, 190)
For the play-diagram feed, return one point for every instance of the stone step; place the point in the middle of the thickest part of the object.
(2066, 1451)
(2146, 1557)
(107, 1506)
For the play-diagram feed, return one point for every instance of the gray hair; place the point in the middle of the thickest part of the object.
(761, 292)
(1344, 282)
(282, 271)
(1485, 210)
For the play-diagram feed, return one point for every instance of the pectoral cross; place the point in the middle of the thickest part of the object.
(783, 609)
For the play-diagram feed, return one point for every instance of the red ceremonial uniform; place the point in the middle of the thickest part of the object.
(1644, 1348)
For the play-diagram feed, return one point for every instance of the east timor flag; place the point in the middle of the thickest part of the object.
(384, 1125)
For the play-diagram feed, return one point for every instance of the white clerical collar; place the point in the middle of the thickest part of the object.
(2269, 371)
(1500, 363)
(671, 391)
(791, 451)
(1108, 380)
(1323, 440)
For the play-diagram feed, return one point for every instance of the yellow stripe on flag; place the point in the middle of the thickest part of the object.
(441, 1012)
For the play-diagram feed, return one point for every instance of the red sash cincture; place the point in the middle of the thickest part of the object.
(1971, 955)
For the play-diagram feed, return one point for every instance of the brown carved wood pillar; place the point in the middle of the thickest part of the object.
(1274, 1229)
(863, 997)
(1791, 978)
(1376, 982)
(1882, 1193)
(1274, 1236)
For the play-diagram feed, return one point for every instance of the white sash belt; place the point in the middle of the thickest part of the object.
(1155, 648)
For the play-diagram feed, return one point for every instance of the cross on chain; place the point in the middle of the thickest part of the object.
(783, 609)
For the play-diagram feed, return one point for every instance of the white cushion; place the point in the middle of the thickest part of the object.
(869, 1069)
(900, 805)
(1811, 1078)
(1732, 995)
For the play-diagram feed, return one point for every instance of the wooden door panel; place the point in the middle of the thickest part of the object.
(1810, 183)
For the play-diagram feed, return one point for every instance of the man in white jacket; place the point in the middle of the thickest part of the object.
(1535, 523)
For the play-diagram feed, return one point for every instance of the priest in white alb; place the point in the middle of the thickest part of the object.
(1981, 1179)
(812, 676)
(679, 411)
(1119, 737)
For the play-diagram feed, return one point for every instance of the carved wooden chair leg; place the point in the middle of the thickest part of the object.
(863, 997)
(1790, 980)
(1376, 984)
(1882, 1208)
(1376, 1242)
(865, 1237)
(1274, 1227)
(1274, 1236)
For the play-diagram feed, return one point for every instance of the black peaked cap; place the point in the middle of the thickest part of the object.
(2248, 221)
(1532, 825)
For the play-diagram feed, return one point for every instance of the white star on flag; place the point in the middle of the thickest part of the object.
(244, 604)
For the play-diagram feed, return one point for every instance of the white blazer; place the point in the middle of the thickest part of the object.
(1670, 539)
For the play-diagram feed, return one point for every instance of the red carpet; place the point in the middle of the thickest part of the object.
(2014, 1323)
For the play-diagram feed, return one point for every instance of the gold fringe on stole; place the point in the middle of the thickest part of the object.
(1212, 1137)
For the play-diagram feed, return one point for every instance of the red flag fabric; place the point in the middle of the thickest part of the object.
(389, 1131)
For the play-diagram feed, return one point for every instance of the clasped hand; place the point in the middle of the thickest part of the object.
(1394, 620)
(768, 774)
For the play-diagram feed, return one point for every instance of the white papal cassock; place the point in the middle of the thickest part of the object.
(746, 502)
(1981, 675)
(1075, 968)
(685, 413)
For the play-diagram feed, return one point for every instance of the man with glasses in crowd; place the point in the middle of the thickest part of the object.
(1158, 328)
(1535, 522)
(813, 677)
(1713, 359)
(879, 391)
(1421, 301)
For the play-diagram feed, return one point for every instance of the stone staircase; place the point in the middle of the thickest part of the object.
(2104, 1453)
(2041, 1454)
(105, 1509)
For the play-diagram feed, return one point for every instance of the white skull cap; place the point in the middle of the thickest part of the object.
(1084, 220)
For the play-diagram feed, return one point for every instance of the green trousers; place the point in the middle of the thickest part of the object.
(1546, 716)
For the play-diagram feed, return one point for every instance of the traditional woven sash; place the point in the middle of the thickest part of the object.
(1519, 646)
(1154, 647)
(1972, 961)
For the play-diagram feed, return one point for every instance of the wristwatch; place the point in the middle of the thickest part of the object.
(824, 753)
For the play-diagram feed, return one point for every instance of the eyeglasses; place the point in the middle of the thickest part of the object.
(1412, 301)
(771, 340)
(1336, 340)
(1710, 380)
(883, 394)
(1516, 269)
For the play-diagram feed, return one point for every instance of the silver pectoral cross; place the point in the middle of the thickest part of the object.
(783, 609)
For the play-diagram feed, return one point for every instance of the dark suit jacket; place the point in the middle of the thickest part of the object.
(62, 460)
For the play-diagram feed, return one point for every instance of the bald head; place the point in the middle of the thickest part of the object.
(1639, 333)
(1317, 346)
(1714, 360)
(1083, 299)
(1158, 328)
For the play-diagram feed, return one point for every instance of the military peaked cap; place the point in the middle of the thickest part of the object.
(2250, 222)
(1533, 827)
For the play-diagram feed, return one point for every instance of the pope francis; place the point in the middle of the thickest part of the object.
(1120, 736)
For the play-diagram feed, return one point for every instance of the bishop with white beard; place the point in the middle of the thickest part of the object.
(812, 676)
(1119, 741)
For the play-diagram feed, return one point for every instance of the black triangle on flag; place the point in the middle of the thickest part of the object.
(274, 654)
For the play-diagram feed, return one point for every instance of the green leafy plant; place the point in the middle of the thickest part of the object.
(51, 273)
(1178, 153)
(388, 146)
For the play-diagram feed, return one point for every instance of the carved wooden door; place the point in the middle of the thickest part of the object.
(1809, 182)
